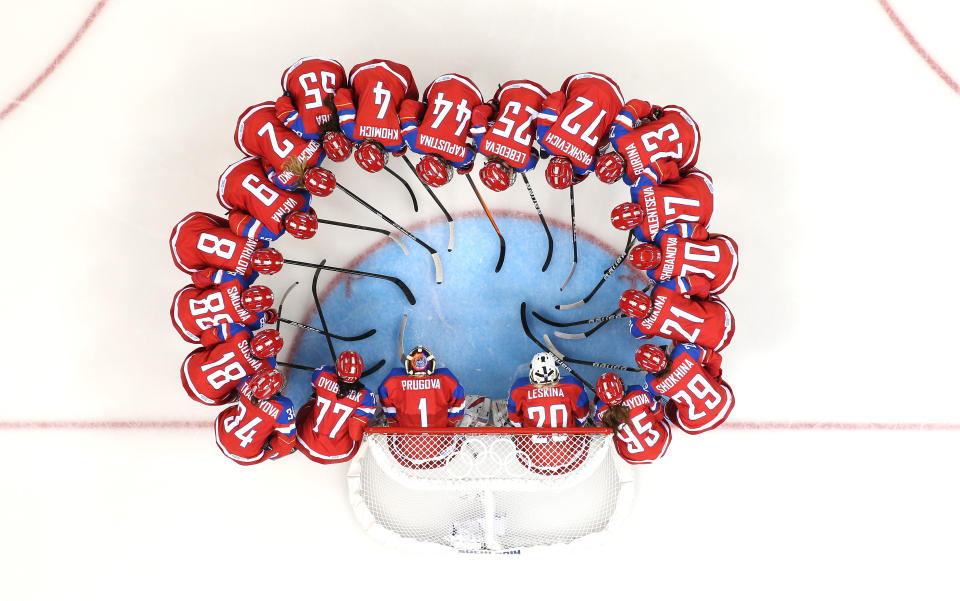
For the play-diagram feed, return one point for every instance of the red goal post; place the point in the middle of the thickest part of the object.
(488, 489)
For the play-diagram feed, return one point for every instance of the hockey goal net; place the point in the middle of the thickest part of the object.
(487, 489)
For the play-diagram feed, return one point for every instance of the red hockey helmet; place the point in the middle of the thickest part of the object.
(300, 225)
(497, 176)
(651, 358)
(626, 216)
(559, 173)
(266, 343)
(266, 383)
(266, 260)
(434, 171)
(645, 256)
(319, 181)
(370, 156)
(610, 388)
(420, 362)
(337, 146)
(635, 303)
(609, 167)
(257, 298)
(349, 366)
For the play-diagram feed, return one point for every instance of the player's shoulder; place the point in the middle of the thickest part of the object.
(453, 80)
(445, 372)
(687, 348)
(521, 84)
(520, 382)
(677, 113)
(306, 64)
(323, 369)
(396, 372)
(257, 110)
(633, 389)
(571, 381)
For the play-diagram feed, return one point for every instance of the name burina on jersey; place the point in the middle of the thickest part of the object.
(649, 320)
(539, 393)
(633, 155)
(669, 258)
(568, 148)
(442, 145)
(675, 376)
(386, 133)
(431, 384)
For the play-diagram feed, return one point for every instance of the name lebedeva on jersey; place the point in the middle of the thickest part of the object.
(386, 133)
(539, 393)
(431, 384)
(504, 152)
(675, 376)
(567, 148)
(442, 145)
(669, 258)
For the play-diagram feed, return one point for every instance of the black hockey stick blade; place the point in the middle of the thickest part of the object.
(580, 322)
(395, 280)
(316, 303)
(606, 275)
(556, 351)
(438, 266)
(373, 368)
(295, 366)
(433, 195)
(283, 297)
(503, 243)
(304, 326)
(526, 330)
(357, 226)
(413, 196)
(573, 231)
(543, 221)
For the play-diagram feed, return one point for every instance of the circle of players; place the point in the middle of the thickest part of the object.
(374, 113)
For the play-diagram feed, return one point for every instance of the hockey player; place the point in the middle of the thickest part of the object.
(368, 110)
(330, 427)
(688, 200)
(438, 127)
(232, 353)
(419, 395)
(195, 310)
(544, 399)
(642, 433)
(204, 244)
(502, 130)
(574, 123)
(656, 151)
(685, 249)
(261, 425)
(306, 106)
(259, 209)
(699, 399)
(668, 312)
(288, 160)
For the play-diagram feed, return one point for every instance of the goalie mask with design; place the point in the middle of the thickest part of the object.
(544, 370)
(420, 362)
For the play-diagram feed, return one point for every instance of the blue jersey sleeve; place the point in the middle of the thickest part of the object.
(367, 408)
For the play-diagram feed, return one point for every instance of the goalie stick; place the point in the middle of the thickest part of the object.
(542, 220)
(573, 230)
(397, 281)
(413, 196)
(356, 226)
(438, 267)
(503, 243)
(436, 200)
(606, 274)
(556, 351)
(558, 357)
(403, 327)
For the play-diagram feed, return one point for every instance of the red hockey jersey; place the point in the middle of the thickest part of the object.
(311, 83)
(578, 117)
(250, 433)
(443, 130)
(560, 406)
(211, 375)
(645, 436)
(369, 109)
(257, 207)
(701, 399)
(330, 429)
(667, 146)
(688, 249)
(678, 317)
(689, 199)
(434, 401)
(260, 134)
(202, 240)
(195, 310)
(510, 135)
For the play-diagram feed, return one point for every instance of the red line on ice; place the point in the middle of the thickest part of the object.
(55, 63)
(916, 46)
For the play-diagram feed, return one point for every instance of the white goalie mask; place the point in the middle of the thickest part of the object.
(544, 370)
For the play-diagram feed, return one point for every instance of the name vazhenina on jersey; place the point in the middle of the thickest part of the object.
(504, 152)
(669, 258)
(539, 393)
(569, 149)
(431, 384)
(385, 133)
(675, 376)
(442, 145)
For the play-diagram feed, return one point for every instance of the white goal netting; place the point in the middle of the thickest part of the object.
(487, 489)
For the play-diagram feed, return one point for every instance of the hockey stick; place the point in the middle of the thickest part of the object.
(436, 200)
(606, 274)
(365, 373)
(503, 243)
(316, 303)
(283, 297)
(556, 351)
(573, 230)
(304, 326)
(355, 226)
(542, 220)
(433, 253)
(579, 335)
(397, 281)
(403, 327)
(581, 322)
(413, 196)
(559, 358)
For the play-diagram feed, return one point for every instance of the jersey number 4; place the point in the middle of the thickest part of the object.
(247, 432)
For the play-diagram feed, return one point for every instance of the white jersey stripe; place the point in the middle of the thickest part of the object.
(286, 74)
(525, 86)
(186, 378)
(406, 86)
(173, 247)
(176, 317)
(612, 85)
(242, 123)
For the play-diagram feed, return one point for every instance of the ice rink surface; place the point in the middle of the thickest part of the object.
(831, 141)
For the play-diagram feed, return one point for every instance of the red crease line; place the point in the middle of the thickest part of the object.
(916, 46)
(55, 63)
